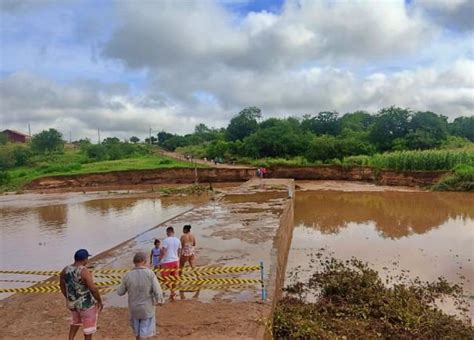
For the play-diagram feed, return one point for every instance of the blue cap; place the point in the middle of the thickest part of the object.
(81, 255)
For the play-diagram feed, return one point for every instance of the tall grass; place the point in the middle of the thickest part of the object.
(427, 160)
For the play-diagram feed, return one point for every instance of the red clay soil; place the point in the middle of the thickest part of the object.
(216, 175)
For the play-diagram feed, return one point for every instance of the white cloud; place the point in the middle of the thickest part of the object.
(203, 64)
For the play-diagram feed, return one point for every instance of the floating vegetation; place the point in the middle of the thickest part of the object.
(350, 300)
(195, 189)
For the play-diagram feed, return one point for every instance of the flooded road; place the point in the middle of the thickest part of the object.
(428, 234)
(43, 231)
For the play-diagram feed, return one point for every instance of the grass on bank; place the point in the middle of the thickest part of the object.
(73, 162)
(461, 179)
(425, 160)
(352, 301)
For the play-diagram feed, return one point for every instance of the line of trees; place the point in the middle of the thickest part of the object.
(323, 136)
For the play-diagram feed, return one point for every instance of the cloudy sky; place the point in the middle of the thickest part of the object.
(127, 65)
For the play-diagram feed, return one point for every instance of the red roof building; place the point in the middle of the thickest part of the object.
(15, 136)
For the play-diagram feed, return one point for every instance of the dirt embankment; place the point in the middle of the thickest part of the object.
(215, 175)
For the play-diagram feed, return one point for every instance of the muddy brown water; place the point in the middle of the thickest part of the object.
(43, 231)
(426, 234)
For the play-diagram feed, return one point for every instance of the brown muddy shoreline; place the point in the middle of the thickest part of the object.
(220, 175)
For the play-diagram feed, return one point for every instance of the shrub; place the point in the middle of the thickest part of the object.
(351, 301)
(22, 154)
(96, 152)
(4, 177)
(462, 179)
(7, 158)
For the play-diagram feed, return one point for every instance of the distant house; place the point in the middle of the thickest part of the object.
(15, 136)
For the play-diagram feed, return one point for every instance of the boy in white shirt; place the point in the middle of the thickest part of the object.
(169, 258)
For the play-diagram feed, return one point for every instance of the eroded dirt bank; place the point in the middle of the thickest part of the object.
(216, 175)
(242, 228)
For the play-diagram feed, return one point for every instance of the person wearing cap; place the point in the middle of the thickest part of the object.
(144, 292)
(82, 296)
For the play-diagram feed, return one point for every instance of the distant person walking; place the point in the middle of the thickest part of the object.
(155, 255)
(144, 292)
(169, 258)
(188, 243)
(82, 296)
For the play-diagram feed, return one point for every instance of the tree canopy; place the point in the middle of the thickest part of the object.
(48, 141)
(324, 136)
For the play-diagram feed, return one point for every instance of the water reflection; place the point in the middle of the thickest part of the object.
(395, 215)
(53, 217)
(107, 206)
(46, 234)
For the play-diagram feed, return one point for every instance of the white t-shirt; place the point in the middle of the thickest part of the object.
(171, 244)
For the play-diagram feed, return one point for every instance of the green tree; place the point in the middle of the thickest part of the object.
(324, 123)
(201, 129)
(111, 141)
(389, 124)
(323, 148)
(427, 130)
(153, 140)
(277, 138)
(48, 141)
(463, 127)
(218, 149)
(163, 136)
(243, 124)
(134, 139)
(356, 121)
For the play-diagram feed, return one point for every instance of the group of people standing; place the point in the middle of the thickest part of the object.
(141, 284)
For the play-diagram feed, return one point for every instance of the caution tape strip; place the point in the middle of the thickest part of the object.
(181, 281)
(205, 269)
(186, 286)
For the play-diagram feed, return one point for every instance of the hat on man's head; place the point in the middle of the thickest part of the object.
(81, 255)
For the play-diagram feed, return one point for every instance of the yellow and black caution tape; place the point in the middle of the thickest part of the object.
(191, 280)
(26, 281)
(205, 269)
(196, 281)
(42, 289)
(105, 290)
(31, 272)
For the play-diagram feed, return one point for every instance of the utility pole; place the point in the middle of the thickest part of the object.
(98, 135)
(150, 136)
(70, 137)
(29, 129)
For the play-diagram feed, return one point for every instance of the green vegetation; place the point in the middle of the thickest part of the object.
(462, 179)
(20, 164)
(323, 137)
(426, 160)
(352, 301)
(195, 189)
(394, 138)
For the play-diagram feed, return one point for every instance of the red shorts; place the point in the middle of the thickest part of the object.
(174, 266)
(87, 318)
